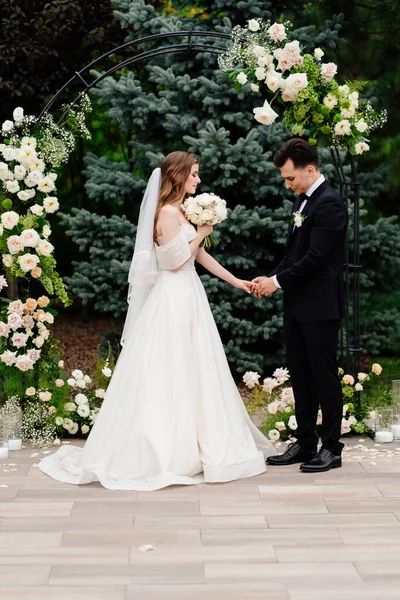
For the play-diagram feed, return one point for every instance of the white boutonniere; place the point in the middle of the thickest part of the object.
(298, 219)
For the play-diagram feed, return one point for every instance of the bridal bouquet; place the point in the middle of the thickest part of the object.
(205, 209)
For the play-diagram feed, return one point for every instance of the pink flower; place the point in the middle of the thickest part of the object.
(272, 408)
(15, 244)
(277, 32)
(376, 368)
(30, 238)
(45, 396)
(28, 322)
(8, 357)
(16, 307)
(328, 71)
(59, 382)
(348, 379)
(4, 329)
(30, 391)
(34, 354)
(345, 427)
(23, 363)
(14, 321)
(19, 339)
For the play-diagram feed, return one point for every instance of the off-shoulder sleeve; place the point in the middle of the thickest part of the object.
(174, 254)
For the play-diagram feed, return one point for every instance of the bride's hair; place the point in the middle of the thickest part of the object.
(175, 169)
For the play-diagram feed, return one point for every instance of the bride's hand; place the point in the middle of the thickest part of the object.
(242, 284)
(204, 230)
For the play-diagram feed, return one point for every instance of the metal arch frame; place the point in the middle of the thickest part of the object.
(189, 46)
(350, 332)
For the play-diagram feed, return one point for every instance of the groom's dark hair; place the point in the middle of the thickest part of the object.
(299, 151)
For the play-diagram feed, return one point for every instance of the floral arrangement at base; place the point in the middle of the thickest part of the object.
(65, 406)
(262, 58)
(273, 404)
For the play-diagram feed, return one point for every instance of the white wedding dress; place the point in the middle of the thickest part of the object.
(172, 413)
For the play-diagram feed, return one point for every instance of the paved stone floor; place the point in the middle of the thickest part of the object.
(283, 535)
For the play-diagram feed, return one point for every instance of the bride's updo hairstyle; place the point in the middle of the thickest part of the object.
(175, 169)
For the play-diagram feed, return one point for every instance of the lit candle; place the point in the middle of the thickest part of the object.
(3, 451)
(396, 431)
(384, 436)
(14, 444)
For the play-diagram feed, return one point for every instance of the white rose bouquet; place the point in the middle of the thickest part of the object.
(205, 209)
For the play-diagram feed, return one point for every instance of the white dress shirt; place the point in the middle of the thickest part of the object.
(310, 191)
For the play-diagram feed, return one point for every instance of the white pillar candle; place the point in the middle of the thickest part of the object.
(3, 451)
(396, 431)
(14, 444)
(383, 436)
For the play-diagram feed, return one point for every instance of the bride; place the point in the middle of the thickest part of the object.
(172, 413)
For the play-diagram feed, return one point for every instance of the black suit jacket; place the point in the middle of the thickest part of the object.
(311, 273)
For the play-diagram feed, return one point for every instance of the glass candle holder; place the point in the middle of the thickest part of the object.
(3, 442)
(396, 392)
(396, 422)
(12, 427)
(384, 420)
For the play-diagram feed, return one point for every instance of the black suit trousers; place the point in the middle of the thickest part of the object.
(311, 359)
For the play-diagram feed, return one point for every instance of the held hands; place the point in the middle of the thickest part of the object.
(263, 286)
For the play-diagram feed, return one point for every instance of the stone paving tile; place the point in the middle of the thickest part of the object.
(67, 593)
(240, 553)
(337, 554)
(117, 575)
(369, 535)
(214, 490)
(272, 591)
(200, 522)
(28, 509)
(345, 591)
(23, 575)
(74, 522)
(380, 570)
(138, 507)
(45, 555)
(370, 505)
(285, 573)
(262, 507)
(74, 494)
(26, 540)
(289, 536)
(135, 538)
(319, 491)
(329, 520)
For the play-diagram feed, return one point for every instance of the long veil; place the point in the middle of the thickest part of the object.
(143, 270)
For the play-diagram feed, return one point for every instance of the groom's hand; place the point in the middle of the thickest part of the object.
(264, 286)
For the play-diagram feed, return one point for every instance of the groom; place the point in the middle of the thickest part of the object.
(311, 277)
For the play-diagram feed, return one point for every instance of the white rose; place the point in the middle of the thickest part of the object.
(12, 187)
(45, 396)
(8, 358)
(330, 100)
(348, 379)
(287, 395)
(30, 391)
(23, 363)
(347, 113)
(77, 374)
(59, 382)
(16, 306)
(51, 204)
(273, 80)
(328, 71)
(376, 369)
(19, 339)
(9, 219)
(280, 425)
(352, 420)
(59, 420)
(361, 126)
(7, 126)
(85, 428)
(358, 387)
(18, 114)
(10, 154)
(281, 375)
(344, 90)
(37, 210)
(7, 260)
(253, 25)
(250, 378)
(61, 364)
(289, 94)
(100, 393)
(345, 428)
(297, 81)
(343, 128)
(46, 185)
(292, 423)
(362, 376)
(106, 371)
(38, 341)
(265, 114)
(52, 176)
(69, 406)
(272, 408)
(83, 410)
(45, 248)
(265, 60)
(29, 141)
(269, 384)
(19, 172)
(277, 32)
(259, 51)
(318, 53)
(30, 238)
(71, 382)
(242, 78)
(81, 383)
(361, 147)
(297, 220)
(81, 399)
(49, 318)
(37, 164)
(27, 262)
(67, 423)
(274, 435)
(260, 73)
(14, 244)
(4, 329)
(73, 429)
(24, 195)
(87, 379)
(255, 87)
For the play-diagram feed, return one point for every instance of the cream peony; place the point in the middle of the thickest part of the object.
(265, 114)
(30, 391)
(9, 219)
(330, 100)
(30, 238)
(14, 244)
(361, 147)
(85, 429)
(277, 32)
(343, 128)
(348, 379)
(24, 363)
(37, 210)
(376, 368)
(328, 71)
(46, 185)
(51, 204)
(7, 260)
(100, 393)
(318, 53)
(81, 399)
(45, 396)
(45, 248)
(361, 126)
(25, 195)
(27, 262)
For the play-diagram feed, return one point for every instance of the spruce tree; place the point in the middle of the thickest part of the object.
(183, 101)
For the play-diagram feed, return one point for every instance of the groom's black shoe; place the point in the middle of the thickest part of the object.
(322, 461)
(294, 454)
